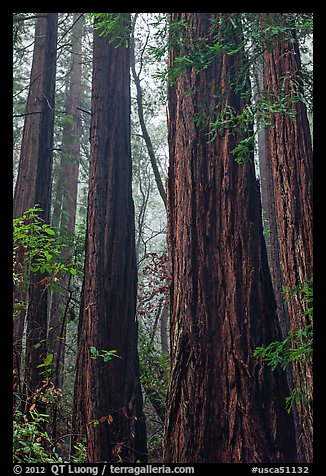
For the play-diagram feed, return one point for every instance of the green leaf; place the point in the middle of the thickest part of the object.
(72, 271)
(94, 422)
(48, 360)
(49, 231)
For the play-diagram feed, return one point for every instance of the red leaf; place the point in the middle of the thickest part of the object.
(103, 418)
(32, 407)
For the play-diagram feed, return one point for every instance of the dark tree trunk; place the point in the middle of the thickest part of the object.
(107, 319)
(289, 152)
(33, 184)
(270, 221)
(37, 143)
(69, 186)
(222, 405)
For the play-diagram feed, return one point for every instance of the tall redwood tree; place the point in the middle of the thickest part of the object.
(33, 186)
(65, 206)
(108, 397)
(223, 405)
(289, 152)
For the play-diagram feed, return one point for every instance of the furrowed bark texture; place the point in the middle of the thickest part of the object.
(33, 184)
(270, 221)
(37, 143)
(289, 151)
(107, 319)
(272, 242)
(222, 405)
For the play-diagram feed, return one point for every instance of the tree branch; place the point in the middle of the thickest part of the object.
(27, 114)
(140, 110)
(83, 110)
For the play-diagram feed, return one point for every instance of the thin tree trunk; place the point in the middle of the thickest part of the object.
(69, 173)
(164, 324)
(107, 318)
(289, 151)
(58, 186)
(33, 184)
(223, 406)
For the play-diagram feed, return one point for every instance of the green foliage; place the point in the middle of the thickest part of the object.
(66, 120)
(115, 26)
(276, 26)
(296, 347)
(154, 366)
(297, 396)
(240, 125)
(304, 292)
(47, 364)
(230, 34)
(79, 455)
(106, 355)
(190, 55)
(154, 369)
(283, 103)
(37, 249)
(31, 443)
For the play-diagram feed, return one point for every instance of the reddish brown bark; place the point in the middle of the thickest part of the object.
(37, 142)
(272, 243)
(270, 222)
(222, 406)
(107, 318)
(33, 185)
(289, 151)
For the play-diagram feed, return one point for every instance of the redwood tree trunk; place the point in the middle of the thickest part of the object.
(69, 183)
(37, 143)
(272, 242)
(270, 220)
(33, 184)
(222, 405)
(289, 151)
(107, 319)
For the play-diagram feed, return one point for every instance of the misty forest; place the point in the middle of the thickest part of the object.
(162, 232)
